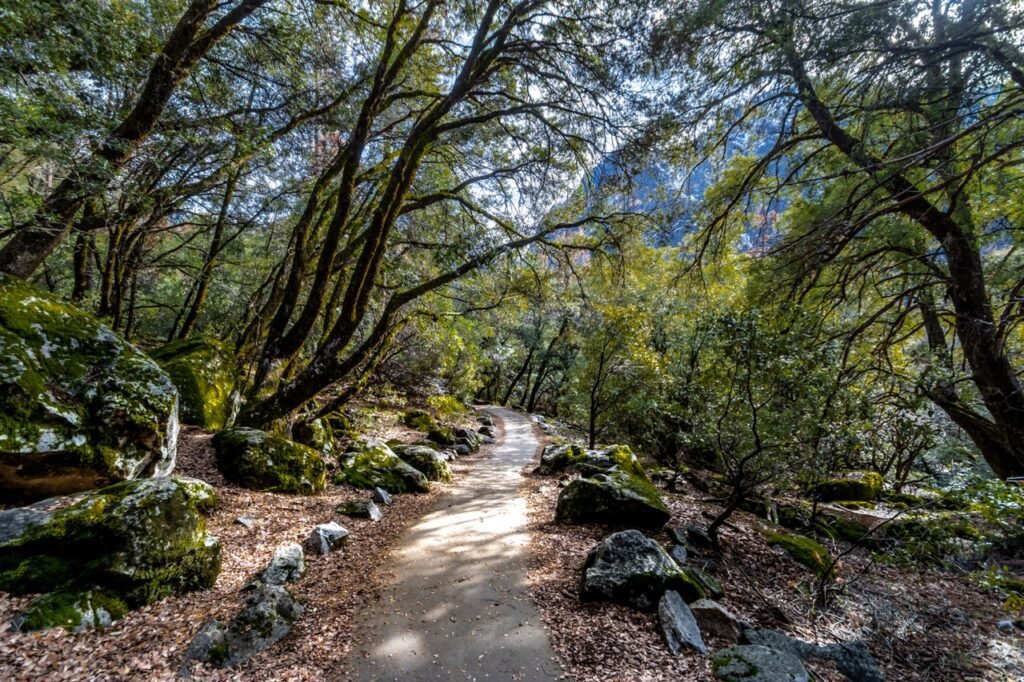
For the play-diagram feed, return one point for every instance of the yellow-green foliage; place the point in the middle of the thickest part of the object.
(863, 489)
(421, 420)
(446, 406)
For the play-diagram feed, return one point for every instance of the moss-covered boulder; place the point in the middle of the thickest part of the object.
(372, 464)
(317, 434)
(108, 551)
(421, 420)
(575, 458)
(262, 461)
(426, 459)
(804, 550)
(80, 407)
(442, 435)
(204, 371)
(614, 498)
(863, 488)
(630, 568)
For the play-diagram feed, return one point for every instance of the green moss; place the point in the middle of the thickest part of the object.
(74, 611)
(421, 420)
(373, 465)
(204, 371)
(615, 498)
(79, 406)
(426, 460)
(261, 461)
(803, 549)
(856, 504)
(441, 435)
(135, 541)
(864, 489)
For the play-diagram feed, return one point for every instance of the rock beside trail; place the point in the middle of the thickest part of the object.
(286, 566)
(852, 659)
(486, 420)
(426, 460)
(575, 458)
(617, 498)
(486, 431)
(629, 568)
(678, 625)
(324, 538)
(80, 407)
(262, 461)
(752, 663)
(715, 619)
(467, 437)
(268, 615)
(360, 509)
(372, 464)
(109, 551)
(205, 373)
(381, 496)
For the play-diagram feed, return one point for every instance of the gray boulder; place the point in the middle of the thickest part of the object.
(852, 659)
(678, 624)
(425, 459)
(715, 619)
(630, 568)
(80, 407)
(113, 549)
(268, 615)
(372, 464)
(286, 566)
(679, 554)
(486, 431)
(360, 509)
(324, 538)
(381, 496)
(616, 498)
(486, 420)
(753, 663)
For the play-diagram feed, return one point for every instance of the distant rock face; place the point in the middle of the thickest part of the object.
(374, 465)
(752, 663)
(616, 498)
(261, 461)
(630, 568)
(425, 459)
(268, 615)
(678, 625)
(80, 407)
(109, 551)
(204, 371)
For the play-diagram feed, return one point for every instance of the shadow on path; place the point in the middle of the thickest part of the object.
(458, 607)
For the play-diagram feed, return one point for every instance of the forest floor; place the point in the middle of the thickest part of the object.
(150, 643)
(919, 624)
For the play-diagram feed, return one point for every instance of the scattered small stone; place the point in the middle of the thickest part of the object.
(324, 538)
(679, 553)
(699, 537)
(380, 495)
(268, 615)
(754, 663)
(715, 619)
(247, 521)
(360, 509)
(678, 624)
(677, 535)
(287, 565)
(1010, 626)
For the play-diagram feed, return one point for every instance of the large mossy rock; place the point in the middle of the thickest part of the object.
(630, 568)
(205, 372)
(317, 434)
(614, 498)
(863, 488)
(575, 458)
(259, 460)
(425, 459)
(804, 550)
(372, 464)
(80, 407)
(108, 551)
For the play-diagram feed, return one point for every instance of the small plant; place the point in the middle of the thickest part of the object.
(447, 406)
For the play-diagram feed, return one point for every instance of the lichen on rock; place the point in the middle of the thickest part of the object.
(372, 464)
(614, 498)
(79, 407)
(125, 545)
(262, 461)
(204, 372)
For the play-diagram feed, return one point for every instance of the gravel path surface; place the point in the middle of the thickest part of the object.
(458, 606)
